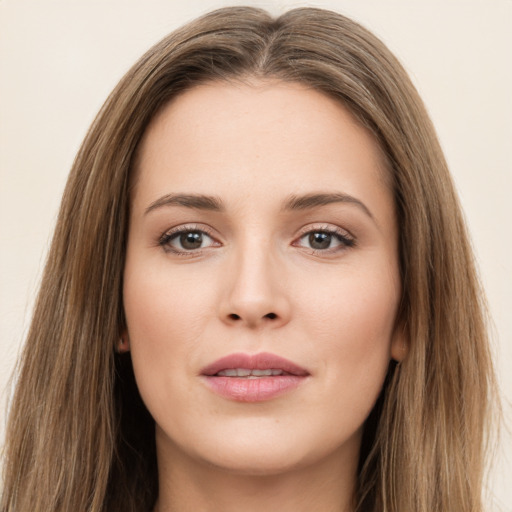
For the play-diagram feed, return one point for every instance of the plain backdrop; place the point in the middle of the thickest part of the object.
(60, 59)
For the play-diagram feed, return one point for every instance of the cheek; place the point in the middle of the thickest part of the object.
(166, 315)
(159, 303)
(352, 328)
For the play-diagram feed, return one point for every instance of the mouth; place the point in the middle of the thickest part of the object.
(246, 373)
(253, 378)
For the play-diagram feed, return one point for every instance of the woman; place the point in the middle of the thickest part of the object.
(260, 290)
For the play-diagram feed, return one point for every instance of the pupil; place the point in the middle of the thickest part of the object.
(191, 240)
(320, 240)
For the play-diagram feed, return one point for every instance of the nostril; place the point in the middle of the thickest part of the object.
(235, 317)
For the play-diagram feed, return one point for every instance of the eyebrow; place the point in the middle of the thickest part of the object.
(195, 201)
(308, 201)
(293, 203)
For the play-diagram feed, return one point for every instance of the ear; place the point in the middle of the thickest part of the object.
(399, 343)
(123, 345)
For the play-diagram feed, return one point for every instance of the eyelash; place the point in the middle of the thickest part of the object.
(345, 240)
(169, 236)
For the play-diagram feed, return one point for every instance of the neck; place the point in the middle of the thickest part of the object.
(188, 485)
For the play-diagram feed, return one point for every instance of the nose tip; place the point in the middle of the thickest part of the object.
(253, 314)
(253, 296)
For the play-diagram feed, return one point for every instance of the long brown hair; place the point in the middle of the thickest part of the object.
(79, 437)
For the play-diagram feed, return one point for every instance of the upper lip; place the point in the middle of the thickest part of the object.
(260, 361)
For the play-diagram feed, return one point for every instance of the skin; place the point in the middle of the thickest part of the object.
(258, 284)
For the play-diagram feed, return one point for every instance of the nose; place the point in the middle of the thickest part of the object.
(255, 291)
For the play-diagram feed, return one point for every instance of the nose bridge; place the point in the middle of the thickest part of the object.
(254, 293)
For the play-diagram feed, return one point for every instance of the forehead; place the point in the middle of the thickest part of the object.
(264, 134)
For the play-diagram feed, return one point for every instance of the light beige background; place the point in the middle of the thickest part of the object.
(60, 59)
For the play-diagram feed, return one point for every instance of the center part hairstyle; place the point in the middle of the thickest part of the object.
(79, 437)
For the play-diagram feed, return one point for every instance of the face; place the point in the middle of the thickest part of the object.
(261, 282)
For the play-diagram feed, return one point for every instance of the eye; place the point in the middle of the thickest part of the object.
(325, 240)
(186, 240)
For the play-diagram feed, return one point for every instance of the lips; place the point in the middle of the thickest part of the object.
(261, 361)
(253, 378)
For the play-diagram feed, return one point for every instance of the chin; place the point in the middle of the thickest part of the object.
(260, 461)
(266, 449)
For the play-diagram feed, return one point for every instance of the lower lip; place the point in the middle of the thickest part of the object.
(253, 390)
